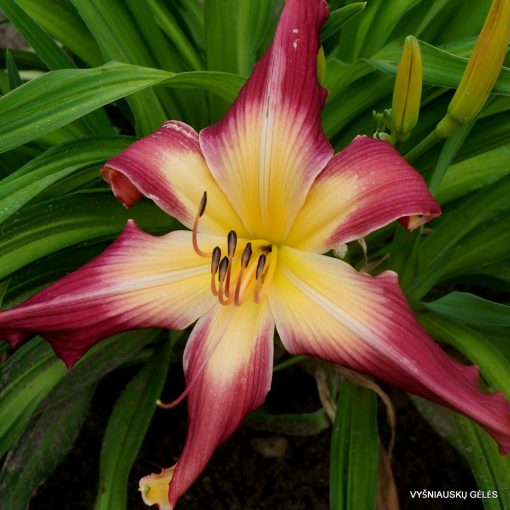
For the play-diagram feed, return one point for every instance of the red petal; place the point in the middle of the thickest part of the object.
(268, 149)
(363, 188)
(236, 343)
(323, 307)
(140, 281)
(168, 167)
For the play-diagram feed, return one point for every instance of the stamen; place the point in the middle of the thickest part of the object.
(259, 276)
(215, 262)
(245, 259)
(224, 265)
(200, 213)
(232, 243)
(260, 266)
(223, 269)
(266, 277)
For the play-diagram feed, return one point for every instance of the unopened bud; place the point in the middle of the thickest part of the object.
(321, 66)
(481, 72)
(407, 91)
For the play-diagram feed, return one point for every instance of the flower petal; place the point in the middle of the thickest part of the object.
(168, 167)
(363, 188)
(323, 307)
(228, 364)
(268, 149)
(140, 281)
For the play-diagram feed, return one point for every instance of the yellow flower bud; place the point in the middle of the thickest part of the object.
(481, 72)
(405, 107)
(321, 66)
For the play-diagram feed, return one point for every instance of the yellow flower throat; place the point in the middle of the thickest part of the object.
(243, 269)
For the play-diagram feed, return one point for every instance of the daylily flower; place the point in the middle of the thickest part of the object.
(264, 198)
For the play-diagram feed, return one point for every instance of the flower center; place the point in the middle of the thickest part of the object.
(242, 269)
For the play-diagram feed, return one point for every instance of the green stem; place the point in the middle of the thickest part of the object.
(427, 143)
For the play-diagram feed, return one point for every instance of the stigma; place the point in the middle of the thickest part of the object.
(241, 269)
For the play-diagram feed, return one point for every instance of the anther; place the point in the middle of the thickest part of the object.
(260, 267)
(223, 269)
(215, 262)
(203, 203)
(222, 272)
(245, 258)
(232, 243)
(200, 212)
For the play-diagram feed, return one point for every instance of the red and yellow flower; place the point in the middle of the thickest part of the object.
(264, 198)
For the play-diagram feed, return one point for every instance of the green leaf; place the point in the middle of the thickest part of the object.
(225, 85)
(59, 97)
(471, 309)
(57, 224)
(490, 469)
(100, 360)
(340, 17)
(472, 213)
(54, 165)
(447, 155)
(42, 446)
(388, 16)
(485, 246)
(119, 38)
(474, 173)
(354, 452)
(64, 24)
(25, 59)
(234, 50)
(25, 379)
(494, 366)
(12, 71)
(127, 427)
(51, 54)
(185, 49)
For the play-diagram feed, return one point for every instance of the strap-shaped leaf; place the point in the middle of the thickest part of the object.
(57, 224)
(52, 166)
(127, 427)
(490, 469)
(42, 446)
(26, 378)
(494, 366)
(471, 309)
(354, 452)
(59, 97)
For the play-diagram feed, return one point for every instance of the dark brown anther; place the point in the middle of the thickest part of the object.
(215, 261)
(245, 258)
(223, 269)
(267, 249)
(203, 203)
(232, 243)
(260, 266)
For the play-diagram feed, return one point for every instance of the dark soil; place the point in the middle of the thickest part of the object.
(240, 478)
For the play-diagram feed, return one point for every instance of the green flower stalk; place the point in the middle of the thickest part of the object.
(405, 107)
(481, 72)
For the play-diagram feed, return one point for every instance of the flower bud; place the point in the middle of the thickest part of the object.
(481, 72)
(321, 66)
(407, 91)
